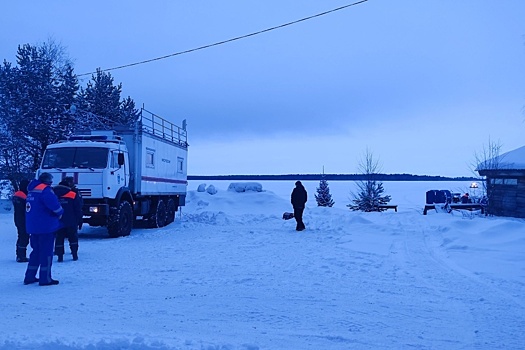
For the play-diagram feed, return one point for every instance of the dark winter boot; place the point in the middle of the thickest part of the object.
(52, 282)
(75, 256)
(21, 254)
(27, 281)
(60, 258)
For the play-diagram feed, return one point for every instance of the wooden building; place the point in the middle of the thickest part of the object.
(505, 183)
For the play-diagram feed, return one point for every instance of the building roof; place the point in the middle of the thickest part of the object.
(512, 160)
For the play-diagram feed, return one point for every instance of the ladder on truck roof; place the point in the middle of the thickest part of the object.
(152, 124)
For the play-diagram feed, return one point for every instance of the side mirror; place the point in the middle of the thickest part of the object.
(120, 159)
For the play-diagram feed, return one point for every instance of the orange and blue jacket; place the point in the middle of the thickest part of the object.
(43, 210)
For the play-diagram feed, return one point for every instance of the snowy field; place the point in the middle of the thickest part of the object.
(231, 274)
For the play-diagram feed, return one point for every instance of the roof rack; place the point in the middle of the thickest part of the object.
(152, 124)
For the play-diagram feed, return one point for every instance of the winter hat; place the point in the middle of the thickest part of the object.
(46, 178)
(23, 185)
(68, 181)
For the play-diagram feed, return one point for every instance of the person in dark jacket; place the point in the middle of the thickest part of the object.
(43, 212)
(19, 205)
(71, 221)
(299, 198)
(465, 199)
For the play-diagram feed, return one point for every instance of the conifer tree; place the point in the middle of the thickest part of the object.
(370, 191)
(101, 98)
(34, 98)
(323, 196)
(128, 113)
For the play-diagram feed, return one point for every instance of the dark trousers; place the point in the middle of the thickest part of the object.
(71, 234)
(298, 215)
(41, 257)
(22, 242)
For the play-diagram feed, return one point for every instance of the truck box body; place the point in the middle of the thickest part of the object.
(158, 165)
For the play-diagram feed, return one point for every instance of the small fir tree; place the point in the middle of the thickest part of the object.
(323, 196)
(370, 195)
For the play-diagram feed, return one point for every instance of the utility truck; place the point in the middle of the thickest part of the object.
(125, 174)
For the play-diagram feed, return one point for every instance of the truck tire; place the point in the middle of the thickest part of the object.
(158, 218)
(170, 211)
(121, 222)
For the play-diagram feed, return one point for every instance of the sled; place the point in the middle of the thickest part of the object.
(287, 216)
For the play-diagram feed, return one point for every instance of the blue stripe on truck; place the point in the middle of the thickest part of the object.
(160, 179)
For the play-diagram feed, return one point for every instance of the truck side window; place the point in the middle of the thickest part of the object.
(180, 165)
(114, 160)
(150, 158)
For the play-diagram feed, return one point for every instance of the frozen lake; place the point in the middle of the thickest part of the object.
(408, 195)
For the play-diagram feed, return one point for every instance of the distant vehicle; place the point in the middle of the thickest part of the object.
(438, 196)
(125, 174)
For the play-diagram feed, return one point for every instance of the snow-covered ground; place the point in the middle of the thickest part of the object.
(231, 274)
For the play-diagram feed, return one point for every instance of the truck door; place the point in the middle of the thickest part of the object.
(126, 167)
(120, 168)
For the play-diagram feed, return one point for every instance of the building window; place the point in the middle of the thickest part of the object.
(503, 181)
(150, 158)
(180, 165)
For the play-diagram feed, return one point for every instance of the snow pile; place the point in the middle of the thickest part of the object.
(245, 187)
(211, 190)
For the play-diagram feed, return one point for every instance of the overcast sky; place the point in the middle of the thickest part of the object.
(422, 84)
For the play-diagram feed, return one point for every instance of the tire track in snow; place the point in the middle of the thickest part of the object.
(477, 308)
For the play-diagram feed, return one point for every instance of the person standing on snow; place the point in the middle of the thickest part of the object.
(299, 198)
(19, 206)
(43, 212)
(71, 221)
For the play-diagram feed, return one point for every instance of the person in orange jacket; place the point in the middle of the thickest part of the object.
(19, 209)
(71, 201)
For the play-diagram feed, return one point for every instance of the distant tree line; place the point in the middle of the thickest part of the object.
(41, 102)
(332, 177)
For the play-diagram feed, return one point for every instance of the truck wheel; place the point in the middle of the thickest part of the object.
(158, 219)
(120, 223)
(170, 209)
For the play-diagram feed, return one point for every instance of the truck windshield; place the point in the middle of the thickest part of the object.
(75, 157)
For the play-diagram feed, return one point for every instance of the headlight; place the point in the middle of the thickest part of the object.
(93, 209)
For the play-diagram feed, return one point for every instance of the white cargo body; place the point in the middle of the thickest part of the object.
(157, 165)
(125, 174)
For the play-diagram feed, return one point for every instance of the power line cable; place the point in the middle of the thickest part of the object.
(229, 40)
